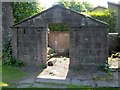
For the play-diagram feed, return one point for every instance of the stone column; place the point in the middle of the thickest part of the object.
(44, 45)
(119, 18)
(7, 20)
(15, 42)
(0, 38)
(72, 53)
(0, 27)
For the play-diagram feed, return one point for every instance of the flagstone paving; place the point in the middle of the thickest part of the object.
(59, 76)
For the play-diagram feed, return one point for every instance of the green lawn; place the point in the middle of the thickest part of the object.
(10, 74)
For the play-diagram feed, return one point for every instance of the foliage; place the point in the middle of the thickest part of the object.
(3, 84)
(106, 16)
(42, 66)
(7, 57)
(87, 5)
(76, 5)
(22, 10)
(53, 50)
(58, 27)
(106, 68)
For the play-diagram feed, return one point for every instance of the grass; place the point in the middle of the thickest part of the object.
(9, 75)
(8, 84)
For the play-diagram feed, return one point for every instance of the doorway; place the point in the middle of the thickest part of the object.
(58, 43)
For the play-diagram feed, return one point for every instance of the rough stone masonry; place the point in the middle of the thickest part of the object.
(88, 38)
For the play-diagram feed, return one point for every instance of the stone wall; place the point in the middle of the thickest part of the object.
(88, 46)
(59, 41)
(29, 45)
(88, 37)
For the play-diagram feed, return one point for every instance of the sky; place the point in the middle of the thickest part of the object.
(48, 3)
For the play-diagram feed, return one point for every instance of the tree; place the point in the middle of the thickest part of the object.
(88, 6)
(76, 6)
(22, 10)
(106, 16)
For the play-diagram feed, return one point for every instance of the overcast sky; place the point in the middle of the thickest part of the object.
(48, 3)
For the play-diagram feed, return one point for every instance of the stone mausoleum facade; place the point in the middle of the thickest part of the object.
(88, 38)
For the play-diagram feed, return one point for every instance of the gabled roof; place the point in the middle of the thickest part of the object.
(62, 8)
(97, 8)
(113, 3)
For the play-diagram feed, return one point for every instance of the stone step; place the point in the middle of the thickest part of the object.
(56, 81)
(42, 85)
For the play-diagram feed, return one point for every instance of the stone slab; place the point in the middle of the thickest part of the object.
(107, 84)
(84, 82)
(88, 83)
(28, 81)
(57, 81)
(40, 85)
(115, 76)
(23, 85)
(76, 82)
(85, 77)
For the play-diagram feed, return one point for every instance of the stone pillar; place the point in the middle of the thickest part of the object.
(44, 45)
(0, 38)
(0, 27)
(119, 18)
(72, 50)
(39, 46)
(15, 42)
(7, 20)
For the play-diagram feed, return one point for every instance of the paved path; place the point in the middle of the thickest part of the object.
(57, 83)
(58, 76)
(85, 80)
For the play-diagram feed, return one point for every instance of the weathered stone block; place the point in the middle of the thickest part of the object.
(88, 37)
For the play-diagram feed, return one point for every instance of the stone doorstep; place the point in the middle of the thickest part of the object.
(67, 81)
(23, 85)
(79, 82)
(27, 81)
(41, 85)
(56, 81)
(50, 83)
(88, 83)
